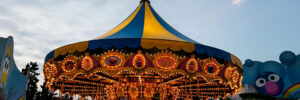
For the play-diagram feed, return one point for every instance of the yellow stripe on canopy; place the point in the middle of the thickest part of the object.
(154, 30)
(81, 46)
(122, 25)
(236, 60)
(165, 44)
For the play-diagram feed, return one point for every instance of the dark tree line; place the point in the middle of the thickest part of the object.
(32, 92)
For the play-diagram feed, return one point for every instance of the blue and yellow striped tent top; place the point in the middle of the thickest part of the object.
(144, 28)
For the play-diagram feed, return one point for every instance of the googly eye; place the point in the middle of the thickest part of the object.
(260, 82)
(6, 65)
(274, 77)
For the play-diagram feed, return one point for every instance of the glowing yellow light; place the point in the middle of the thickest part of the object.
(133, 91)
(211, 63)
(87, 63)
(166, 61)
(69, 64)
(117, 55)
(139, 58)
(235, 75)
(192, 62)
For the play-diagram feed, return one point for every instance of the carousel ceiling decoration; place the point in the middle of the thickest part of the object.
(142, 58)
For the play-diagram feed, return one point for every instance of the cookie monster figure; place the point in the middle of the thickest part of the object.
(266, 77)
(274, 78)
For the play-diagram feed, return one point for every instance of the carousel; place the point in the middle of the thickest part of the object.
(143, 58)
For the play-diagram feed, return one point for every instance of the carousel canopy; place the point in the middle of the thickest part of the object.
(143, 58)
(144, 28)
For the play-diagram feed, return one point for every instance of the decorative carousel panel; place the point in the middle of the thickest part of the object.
(235, 75)
(191, 65)
(110, 92)
(112, 60)
(166, 61)
(175, 91)
(50, 70)
(163, 92)
(87, 63)
(148, 91)
(69, 64)
(120, 91)
(47, 70)
(228, 73)
(211, 67)
(139, 61)
(133, 91)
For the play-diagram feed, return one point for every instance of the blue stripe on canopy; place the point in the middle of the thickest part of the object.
(49, 56)
(211, 51)
(136, 42)
(114, 43)
(169, 28)
(134, 29)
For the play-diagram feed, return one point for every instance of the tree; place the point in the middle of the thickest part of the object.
(45, 93)
(31, 71)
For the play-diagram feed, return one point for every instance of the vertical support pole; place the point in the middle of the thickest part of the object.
(186, 92)
(86, 93)
(97, 92)
(100, 88)
(62, 90)
(182, 90)
(197, 90)
(191, 93)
